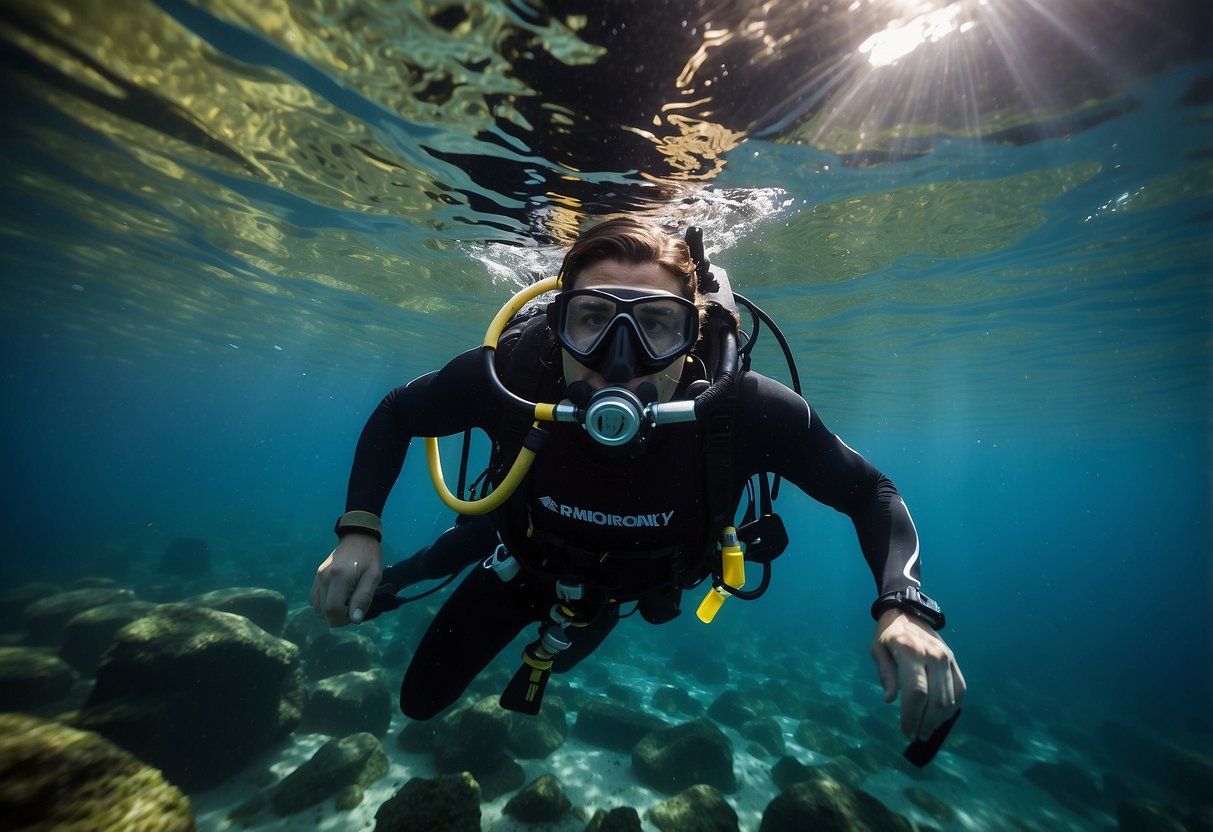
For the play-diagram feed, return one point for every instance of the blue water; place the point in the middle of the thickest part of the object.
(1018, 334)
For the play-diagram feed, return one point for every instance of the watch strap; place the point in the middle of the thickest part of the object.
(363, 522)
(912, 601)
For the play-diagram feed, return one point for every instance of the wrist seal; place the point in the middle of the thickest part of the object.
(911, 601)
(363, 522)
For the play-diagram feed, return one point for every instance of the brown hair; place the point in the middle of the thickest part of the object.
(630, 241)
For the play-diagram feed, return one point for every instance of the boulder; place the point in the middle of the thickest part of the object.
(611, 725)
(264, 607)
(817, 737)
(348, 703)
(90, 633)
(31, 677)
(195, 692)
(535, 737)
(731, 709)
(336, 651)
(693, 753)
(505, 777)
(53, 777)
(619, 819)
(542, 801)
(46, 619)
(675, 701)
(356, 760)
(788, 772)
(827, 806)
(472, 737)
(697, 809)
(767, 733)
(700, 664)
(14, 601)
(450, 802)
(303, 625)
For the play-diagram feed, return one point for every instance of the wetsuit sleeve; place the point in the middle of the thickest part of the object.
(787, 437)
(440, 403)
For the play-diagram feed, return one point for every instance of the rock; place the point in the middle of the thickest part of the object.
(767, 733)
(731, 709)
(1069, 785)
(675, 701)
(697, 809)
(195, 692)
(619, 819)
(31, 677)
(535, 737)
(90, 633)
(335, 651)
(14, 601)
(451, 802)
(542, 801)
(622, 694)
(612, 725)
(348, 704)
(826, 806)
(56, 778)
(186, 557)
(356, 760)
(1176, 769)
(349, 798)
(595, 675)
(693, 753)
(787, 772)
(472, 737)
(823, 740)
(505, 777)
(46, 619)
(416, 737)
(264, 607)
(303, 625)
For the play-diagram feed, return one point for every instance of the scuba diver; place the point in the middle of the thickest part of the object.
(620, 494)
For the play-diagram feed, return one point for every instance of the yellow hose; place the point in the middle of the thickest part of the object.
(518, 471)
(525, 457)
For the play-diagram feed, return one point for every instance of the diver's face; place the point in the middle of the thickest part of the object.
(613, 273)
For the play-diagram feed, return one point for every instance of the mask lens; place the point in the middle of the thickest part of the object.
(659, 326)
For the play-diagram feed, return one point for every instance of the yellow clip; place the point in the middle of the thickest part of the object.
(732, 567)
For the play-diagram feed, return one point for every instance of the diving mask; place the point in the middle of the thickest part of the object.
(623, 333)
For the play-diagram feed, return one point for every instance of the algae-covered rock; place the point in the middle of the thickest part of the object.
(356, 760)
(541, 801)
(53, 777)
(348, 704)
(195, 692)
(675, 701)
(697, 809)
(614, 726)
(46, 619)
(90, 633)
(619, 819)
(334, 652)
(450, 802)
(264, 607)
(472, 738)
(827, 806)
(676, 758)
(31, 677)
(535, 737)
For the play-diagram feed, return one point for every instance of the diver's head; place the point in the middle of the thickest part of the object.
(629, 311)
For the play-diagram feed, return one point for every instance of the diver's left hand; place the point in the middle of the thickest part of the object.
(912, 658)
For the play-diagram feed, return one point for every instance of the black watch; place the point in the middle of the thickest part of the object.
(912, 601)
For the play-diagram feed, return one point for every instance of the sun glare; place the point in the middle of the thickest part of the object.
(900, 39)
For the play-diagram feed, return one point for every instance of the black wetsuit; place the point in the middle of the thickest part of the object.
(582, 499)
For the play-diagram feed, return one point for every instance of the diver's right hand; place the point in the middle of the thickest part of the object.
(345, 583)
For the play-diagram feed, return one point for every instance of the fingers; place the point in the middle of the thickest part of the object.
(366, 579)
(915, 690)
(886, 668)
